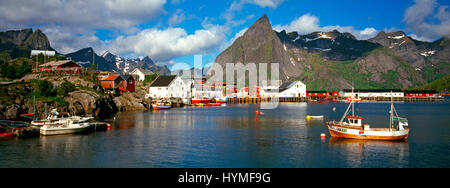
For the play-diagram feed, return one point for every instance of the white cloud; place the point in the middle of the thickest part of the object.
(266, 3)
(64, 41)
(308, 23)
(80, 14)
(164, 45)
(176, 18)
(424, 22)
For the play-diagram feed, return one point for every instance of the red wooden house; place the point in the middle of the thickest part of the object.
(111, 82)
(128, 83)
(63, 66)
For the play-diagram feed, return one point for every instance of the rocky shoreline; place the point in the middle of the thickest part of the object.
(87, 99)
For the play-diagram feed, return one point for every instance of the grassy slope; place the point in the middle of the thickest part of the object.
(441, 85)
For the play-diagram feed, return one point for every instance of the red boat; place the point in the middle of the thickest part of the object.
(200, 101)
(7, 135)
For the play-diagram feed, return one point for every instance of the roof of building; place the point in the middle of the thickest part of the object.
(372, 90)
(110, 77)
(421, 91)
(316, 91)
(56, 63)
(287, 85)
(163, 81)
(144, 71)
(126, 77)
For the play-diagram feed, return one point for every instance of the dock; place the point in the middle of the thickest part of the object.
(257, 100)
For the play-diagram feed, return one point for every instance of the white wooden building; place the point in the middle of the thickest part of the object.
(288, 89)
(168, 87)
(140, 74)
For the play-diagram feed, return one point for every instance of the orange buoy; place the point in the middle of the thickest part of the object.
(257, 112)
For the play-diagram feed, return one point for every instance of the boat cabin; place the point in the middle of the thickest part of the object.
(355, 120)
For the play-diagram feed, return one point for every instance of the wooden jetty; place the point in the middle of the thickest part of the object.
(256, 100)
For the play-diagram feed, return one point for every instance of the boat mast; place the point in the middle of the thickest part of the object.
(391, 113)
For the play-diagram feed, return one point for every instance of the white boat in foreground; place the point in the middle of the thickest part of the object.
(65, 128)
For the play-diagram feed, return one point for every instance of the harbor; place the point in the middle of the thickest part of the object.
(235, 136)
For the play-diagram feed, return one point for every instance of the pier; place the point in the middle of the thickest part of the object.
(257, 100)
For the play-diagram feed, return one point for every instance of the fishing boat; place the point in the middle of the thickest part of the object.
(67, 126)
(221, 100)
(354, 128)
(160, 105)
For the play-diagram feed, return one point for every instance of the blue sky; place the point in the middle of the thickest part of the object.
(172, 31)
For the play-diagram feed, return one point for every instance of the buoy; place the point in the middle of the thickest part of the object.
(322, 135)
(257, 112)
(109, 125)
(308, 117)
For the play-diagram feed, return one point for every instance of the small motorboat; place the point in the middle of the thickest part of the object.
(160, 105)
(70, 126)
(221, 100)
(308, 117)
(7, 134)
(54, 118)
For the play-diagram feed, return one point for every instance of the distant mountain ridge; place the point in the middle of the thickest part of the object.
(327, 60)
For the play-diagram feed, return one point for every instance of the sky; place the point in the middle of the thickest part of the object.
(173, 31)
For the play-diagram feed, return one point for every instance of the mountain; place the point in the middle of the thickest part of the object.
(17, 43)
(260, 44)
(334, 60)
(402, 46)
(330, 45)
(124, 65)
(86, 56)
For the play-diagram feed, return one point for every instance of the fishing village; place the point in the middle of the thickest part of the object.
(217, 84)
(172, 91)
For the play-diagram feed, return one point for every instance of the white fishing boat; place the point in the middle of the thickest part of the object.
(355, 129)
(55, 118)
(67, 126)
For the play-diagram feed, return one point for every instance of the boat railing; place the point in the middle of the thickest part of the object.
(14, 124)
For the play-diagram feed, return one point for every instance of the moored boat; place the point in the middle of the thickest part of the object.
(160, 105)
(308, 117)
(200, 101)
(221, 100)
(70, 127)
(354, 128)
(54, 118)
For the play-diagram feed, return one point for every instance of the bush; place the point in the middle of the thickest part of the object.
(15, 70)
(65, 88)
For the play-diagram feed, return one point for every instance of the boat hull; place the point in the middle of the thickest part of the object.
(200, 101)
(157, 107)
(7, 134)
(63, 130)
(340, 132)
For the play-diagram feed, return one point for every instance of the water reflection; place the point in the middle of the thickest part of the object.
(361, 153)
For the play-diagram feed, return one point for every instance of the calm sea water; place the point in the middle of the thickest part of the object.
(234, 136)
